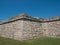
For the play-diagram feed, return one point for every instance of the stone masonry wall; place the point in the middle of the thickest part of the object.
(51, 29)
(27, 29)
(12, 30)
(22, 30)
(54, 29)
(32, 29)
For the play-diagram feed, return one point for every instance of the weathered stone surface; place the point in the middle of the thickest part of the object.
(25, 27)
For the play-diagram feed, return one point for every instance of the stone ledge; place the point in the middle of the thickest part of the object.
(27, 17)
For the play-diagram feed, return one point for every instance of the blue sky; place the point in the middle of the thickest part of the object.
(35, 8)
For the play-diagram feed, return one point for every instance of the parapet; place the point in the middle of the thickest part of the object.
(28, 17)
(52, 19)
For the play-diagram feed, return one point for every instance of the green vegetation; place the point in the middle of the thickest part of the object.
(40, 41)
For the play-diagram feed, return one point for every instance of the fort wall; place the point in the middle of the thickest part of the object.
(12, 30)
(25, 27)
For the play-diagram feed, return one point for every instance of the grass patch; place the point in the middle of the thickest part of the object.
(39, 41)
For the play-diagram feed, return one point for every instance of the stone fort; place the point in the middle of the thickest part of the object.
(24, 27)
